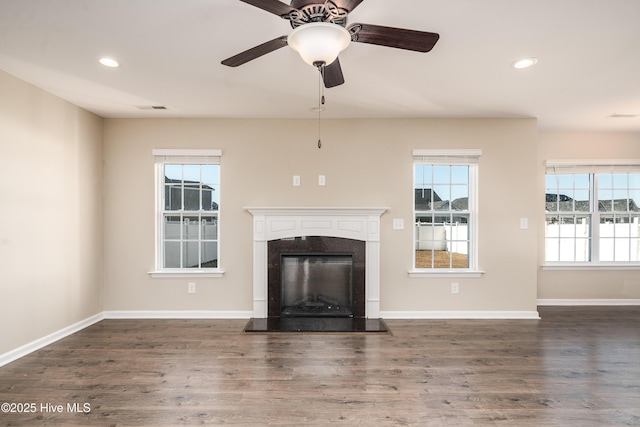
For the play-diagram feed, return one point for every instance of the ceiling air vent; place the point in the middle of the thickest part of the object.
(622, 116)
(152, 107)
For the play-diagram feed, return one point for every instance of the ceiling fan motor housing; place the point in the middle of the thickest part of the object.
(317, 11)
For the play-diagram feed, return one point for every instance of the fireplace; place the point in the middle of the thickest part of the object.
(297, 232)
(316, 276)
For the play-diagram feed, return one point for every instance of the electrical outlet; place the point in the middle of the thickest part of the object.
(455, 288)
(191, 287)
(322, 181)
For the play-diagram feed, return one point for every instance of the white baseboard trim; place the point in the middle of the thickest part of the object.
(603, 301)
(21, 351)
(459, 315)
(177, 314)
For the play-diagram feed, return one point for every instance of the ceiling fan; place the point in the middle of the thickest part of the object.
(320, 33)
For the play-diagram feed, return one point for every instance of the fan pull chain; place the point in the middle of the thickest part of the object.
(320, 101)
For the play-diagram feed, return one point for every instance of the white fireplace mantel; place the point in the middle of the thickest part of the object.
(282, 223)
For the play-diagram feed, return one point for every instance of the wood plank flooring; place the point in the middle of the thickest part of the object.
(575, 367)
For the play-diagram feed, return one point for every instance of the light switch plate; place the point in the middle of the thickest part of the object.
(398, 224)
(524, 223)
(296, 180)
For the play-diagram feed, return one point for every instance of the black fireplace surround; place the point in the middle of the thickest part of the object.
(324, 277)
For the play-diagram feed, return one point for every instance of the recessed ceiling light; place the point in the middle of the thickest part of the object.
(109, 62)
(524, 63)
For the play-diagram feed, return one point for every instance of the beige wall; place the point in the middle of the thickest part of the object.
(366, 163)
(50, 213)
(577, 284)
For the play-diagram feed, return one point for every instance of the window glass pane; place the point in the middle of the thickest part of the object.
(441, 197)
(607, 226)
(441, 174)
(551, 183)
(552, 226)
(634, 200)
(423, 198)
(582, 250)
(424, 258)
(460, 254)
(172, 197)
(209, 255)
(620, 180)
(191, 197)
(605, 197)
(171, 227)
(567, 250)
(173, 173)
(605, 180)
(210, 174)
(582, 181)
(460, 203)
(460, 197)
(567, 226)
(565, 203)
(190, 255)
(422, 174)
(208, 201)
(209, 225)
(634, 180)
(191, 173)
(190, 228)
(460, 174)
(606, 250)
(565, 180)
(581, 200)
(171, 254)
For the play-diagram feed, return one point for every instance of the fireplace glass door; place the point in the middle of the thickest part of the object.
(316, 285)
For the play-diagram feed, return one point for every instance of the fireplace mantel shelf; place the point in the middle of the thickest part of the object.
(359, 223)
(317, 210)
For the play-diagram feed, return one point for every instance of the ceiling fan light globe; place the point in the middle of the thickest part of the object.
(319, 42)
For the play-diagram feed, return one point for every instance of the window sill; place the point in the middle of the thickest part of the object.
(169, 274)
(587, 266)
(446, 273)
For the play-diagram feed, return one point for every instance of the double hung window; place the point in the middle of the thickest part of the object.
(592, 213)
(444, 190)
(188, 206)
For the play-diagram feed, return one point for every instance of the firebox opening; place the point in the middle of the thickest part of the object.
(316, 284)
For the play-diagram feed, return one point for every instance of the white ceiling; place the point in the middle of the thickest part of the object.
(170, 51)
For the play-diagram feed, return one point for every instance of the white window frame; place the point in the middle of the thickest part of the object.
(180, 156)
(592, 167)
(467, 157)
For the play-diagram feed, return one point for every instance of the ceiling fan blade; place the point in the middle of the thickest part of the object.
(348, 5)
(256, 52)
(333, 74)
(274, 6)
(400, 38)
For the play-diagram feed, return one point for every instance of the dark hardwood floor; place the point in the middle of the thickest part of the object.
(575, 367)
